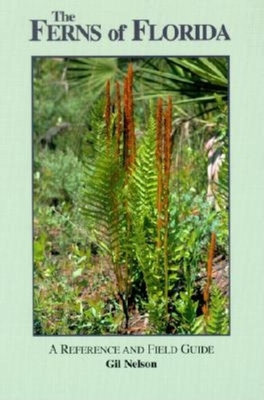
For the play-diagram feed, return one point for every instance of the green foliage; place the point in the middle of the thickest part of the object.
(60, 304)
(91, 74)
(142, 205)
(61, 314)
(199, 78)
(143, 186)
(96, 256)
(98, 320)
(52, 100)
(57, 175)
(101, 198)
(192, 221)
(218, 321)
(185, 315)
(186, 320)
(189, 233)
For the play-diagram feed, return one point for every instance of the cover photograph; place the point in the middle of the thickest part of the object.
(131, 196)
(131, 200)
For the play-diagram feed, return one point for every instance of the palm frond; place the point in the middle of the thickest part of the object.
(197, 79)
(92, 73)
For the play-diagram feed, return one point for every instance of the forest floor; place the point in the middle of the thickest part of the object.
(102, 285)
(94, 282)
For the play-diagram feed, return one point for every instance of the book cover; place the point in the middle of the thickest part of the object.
(131, 200)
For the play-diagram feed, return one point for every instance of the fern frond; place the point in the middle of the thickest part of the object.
(142, 192)
(218, 320)
(102, 197)
(143, 186)
(186, 319)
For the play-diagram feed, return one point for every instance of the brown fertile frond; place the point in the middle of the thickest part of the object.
(159, 138)
(167, 139)
(119, 117)
(129, 129)
(132, 135)
(125, 125)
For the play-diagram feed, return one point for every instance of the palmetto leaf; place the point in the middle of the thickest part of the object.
(197, 79)
(92, 73)
(205, 68)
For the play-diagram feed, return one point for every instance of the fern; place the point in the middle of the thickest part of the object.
(186, 318)
(126, 199)
(101, 197)
(143, 208)
(143, 186)
(217, 322)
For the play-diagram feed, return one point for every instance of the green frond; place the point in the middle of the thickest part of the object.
(102, 196)
(186, 315)
(218, 320)
(199, 79)
(143, 186)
